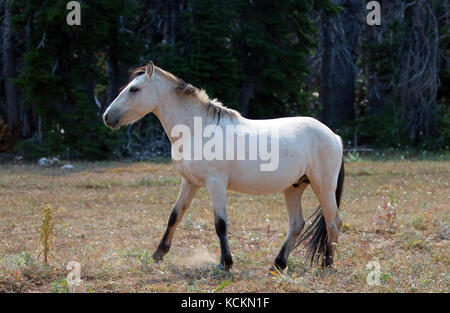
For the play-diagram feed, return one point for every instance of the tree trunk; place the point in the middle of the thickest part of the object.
(175, 17)
(28, 118)
(112, 71)
(418, 70)
(9, 69)
(246, 95)
(337, 82)
(89, 86)
(379, 82)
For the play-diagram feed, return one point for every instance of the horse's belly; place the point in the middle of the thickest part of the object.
(250, 179)
(255, 189)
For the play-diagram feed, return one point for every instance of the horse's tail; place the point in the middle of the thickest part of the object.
(315, 235)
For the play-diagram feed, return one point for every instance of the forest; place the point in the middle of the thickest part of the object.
(378, 86)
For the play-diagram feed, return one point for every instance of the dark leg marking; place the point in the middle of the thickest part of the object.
(221, 227)
(226, 261)
(327, 261)
(164, 245)
(280, 260)
(172, 219)
(162, 249)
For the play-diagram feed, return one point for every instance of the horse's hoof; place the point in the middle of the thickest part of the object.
(225, 267)
(280, 264)
(226, 262)
(157, 257)
(327, 262)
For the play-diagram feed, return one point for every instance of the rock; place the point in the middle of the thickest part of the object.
(45, 162)
(48, 162)
(67, 167)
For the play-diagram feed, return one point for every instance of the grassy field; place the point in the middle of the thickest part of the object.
(109, 217)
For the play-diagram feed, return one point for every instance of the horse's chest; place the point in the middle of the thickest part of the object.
(187, 170)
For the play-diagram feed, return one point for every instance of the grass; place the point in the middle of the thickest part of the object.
(110, 217)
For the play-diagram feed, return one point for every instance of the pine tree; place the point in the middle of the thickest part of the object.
(271, 41)
(63, 70)
(208, 60)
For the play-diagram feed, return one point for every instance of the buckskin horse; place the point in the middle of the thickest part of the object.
(309, 154)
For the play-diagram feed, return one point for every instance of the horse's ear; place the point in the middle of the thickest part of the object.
(149, 68)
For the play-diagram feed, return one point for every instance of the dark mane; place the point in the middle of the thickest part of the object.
(186, 89)
(212, 106)
(137, 72)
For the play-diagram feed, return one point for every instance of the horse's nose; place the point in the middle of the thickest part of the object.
(111, 119)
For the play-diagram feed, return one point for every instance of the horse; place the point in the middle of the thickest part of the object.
(309, 154)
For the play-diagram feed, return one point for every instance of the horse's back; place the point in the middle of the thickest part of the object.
(301, 142)
(310, 133)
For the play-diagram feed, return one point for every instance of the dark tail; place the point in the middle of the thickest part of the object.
(315, 235)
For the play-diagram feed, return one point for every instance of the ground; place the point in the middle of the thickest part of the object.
(110, 216)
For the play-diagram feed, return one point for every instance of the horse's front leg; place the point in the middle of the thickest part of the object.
(187, 193)
(218, 191)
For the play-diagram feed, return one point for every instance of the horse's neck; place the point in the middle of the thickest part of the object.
(175, 112)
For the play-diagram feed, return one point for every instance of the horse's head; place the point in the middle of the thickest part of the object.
(135, 100)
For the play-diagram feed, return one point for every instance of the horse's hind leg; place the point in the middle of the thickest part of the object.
(187, 193)
(324, 187)
(293, 197)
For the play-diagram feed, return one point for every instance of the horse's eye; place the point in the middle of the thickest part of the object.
(134, 89)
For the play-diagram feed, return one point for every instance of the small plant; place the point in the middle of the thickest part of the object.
(25, 259)
(146, 261)
(90, 184)
(143, 258)
(290, 277)
(413, 240)
(353, 157)
(206, 271)
(222, 285)
(419, 222)
(193, 288)
(296, 266)
(46, 232)
(24, 272)
(160, 181)
(275, 272)
(243, 258)
(60, 286)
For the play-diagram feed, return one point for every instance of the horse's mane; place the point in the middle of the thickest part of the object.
(185, 90)
(212, 106)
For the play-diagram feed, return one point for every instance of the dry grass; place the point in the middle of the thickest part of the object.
(110, 217)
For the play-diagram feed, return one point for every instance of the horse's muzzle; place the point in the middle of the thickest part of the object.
(111, 120)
